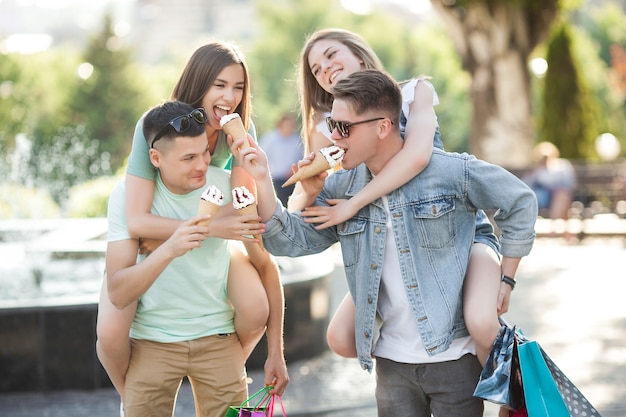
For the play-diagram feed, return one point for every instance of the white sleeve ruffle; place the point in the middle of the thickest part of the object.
(408, 94)
(323, 129)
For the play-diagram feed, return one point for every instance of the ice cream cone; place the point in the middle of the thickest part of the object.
(251, 209)
(244, 204)
(316, 167)
(233, 125)
(207, 207)
(210, 202)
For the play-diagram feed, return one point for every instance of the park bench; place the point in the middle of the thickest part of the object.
(599, 203)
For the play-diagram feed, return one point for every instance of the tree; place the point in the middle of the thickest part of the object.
(33, 89)
(494, 39)
(109, 101)
(570, 116)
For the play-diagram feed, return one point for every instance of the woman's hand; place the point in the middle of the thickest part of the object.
(504, 298)
(338, 212)
(251, 158)
(233, 226)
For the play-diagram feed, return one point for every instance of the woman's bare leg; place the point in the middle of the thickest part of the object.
(113, 344)
(480, 299)
(340, 334)
(248, 296)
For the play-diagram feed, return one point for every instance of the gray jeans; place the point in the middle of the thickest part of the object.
(444, 389)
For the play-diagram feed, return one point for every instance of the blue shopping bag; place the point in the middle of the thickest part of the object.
(541, 394)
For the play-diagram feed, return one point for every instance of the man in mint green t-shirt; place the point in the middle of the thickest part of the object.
(183, 326)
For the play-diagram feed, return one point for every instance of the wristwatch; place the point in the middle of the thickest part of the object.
(508, 280)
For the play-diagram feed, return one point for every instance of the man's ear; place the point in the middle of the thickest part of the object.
(385, 128)
(155, 157)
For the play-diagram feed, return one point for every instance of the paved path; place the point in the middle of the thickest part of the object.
(570, 298)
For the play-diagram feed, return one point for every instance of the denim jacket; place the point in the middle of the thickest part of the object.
(434, 219)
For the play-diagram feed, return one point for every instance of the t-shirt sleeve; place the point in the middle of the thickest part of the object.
(408, 94)
(139, 163)
(116, 214)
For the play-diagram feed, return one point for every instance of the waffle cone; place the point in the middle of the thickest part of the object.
(316, 167)
(251, 209)
(206, 207)
(235, 128)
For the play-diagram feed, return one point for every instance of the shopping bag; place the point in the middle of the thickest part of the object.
(576, 402)
(499, 381)
(541, 394)
(270, 407)
(258, 410)
(547, 391)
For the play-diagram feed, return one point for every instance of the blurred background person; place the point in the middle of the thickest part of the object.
(283, 147)
(553, 180)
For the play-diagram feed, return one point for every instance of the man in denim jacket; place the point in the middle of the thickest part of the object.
(405, 255)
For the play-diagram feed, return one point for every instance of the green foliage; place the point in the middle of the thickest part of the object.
(32, 92)
(606, 25)
(13, 100)
(108, 102)
(406, 50)
(570, 117)
(434, 55)
(90, 198)
(275, 54)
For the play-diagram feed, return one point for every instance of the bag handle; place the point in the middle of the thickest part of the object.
(264, 403)
(265, 390)
(270, 408)
(520, 337)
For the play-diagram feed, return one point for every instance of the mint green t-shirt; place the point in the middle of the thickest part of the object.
(139, 163)
(189, 300)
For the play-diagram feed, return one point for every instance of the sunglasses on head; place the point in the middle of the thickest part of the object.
(181, 124)
(344, 127)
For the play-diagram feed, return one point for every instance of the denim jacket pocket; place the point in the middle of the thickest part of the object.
(351, 235)
(435, 222)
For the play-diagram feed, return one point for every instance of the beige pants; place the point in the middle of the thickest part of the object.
(214, 366)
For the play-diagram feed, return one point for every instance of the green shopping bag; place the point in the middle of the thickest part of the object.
(248, 410)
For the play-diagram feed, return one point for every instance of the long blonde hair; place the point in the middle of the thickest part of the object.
(314, 100)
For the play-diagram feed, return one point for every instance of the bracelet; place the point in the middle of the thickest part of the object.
(509, 281)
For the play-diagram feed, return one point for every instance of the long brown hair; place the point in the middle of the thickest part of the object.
(204, 67)
(314, 100)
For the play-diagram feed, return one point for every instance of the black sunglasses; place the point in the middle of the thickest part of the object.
(344, 127)
(182, 123)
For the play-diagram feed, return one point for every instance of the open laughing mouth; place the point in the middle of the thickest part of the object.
(334, 75)
(219, 111)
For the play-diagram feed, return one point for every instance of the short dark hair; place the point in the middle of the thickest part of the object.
(159, 117)
(371, 90)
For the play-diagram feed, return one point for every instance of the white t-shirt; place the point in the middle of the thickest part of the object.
(399, 338)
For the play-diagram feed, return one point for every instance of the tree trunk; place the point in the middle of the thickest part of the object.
(494, 39)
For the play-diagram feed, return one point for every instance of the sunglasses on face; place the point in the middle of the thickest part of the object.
(181, 124)
(344, 127)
